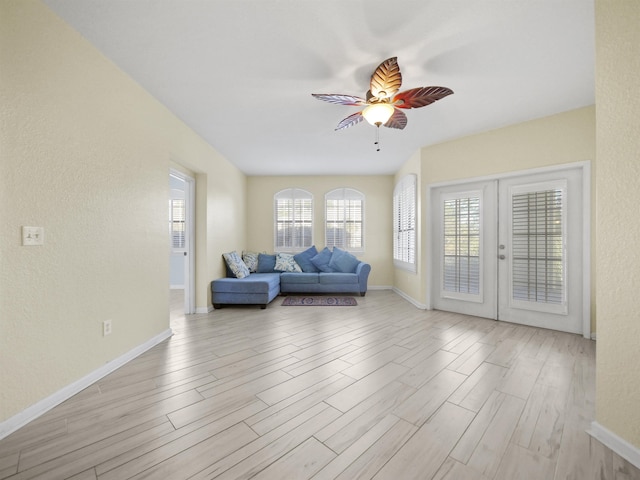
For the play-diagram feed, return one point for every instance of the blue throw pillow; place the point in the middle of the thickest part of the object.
(266, 263)
(304, 260)
(322, 259)
(343, 261)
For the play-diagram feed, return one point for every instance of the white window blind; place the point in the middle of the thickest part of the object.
(293, 212)
(404, 223)
(461, 244)
(177, 219)
(344, 219)
(538, 239)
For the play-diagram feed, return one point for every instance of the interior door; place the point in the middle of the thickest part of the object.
(511, 249)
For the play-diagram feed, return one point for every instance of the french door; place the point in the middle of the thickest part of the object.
(511, 249)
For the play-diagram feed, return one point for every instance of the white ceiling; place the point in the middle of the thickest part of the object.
(241, 72)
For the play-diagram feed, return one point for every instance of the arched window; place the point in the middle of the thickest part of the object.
(344, 219)
(404, 223)
(293, 220)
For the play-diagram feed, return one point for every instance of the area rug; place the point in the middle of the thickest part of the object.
(320, 301)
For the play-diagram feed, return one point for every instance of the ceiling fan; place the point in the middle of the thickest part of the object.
(383, 102)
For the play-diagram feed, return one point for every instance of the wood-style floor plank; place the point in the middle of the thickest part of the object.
(382, 390)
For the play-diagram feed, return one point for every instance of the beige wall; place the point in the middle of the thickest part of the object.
(618, 227)
(378, 191)
(559, 139)
(564, 138)
(85, 153)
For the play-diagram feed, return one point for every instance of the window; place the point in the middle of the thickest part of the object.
(538, 240)
(177, 218)
(462, 245)
(404, 223)
(293, 220)
(344, 219)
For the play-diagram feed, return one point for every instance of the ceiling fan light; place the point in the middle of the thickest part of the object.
(378, 113)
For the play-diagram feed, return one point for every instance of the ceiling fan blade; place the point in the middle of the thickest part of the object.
(350, 121)
(386, 80)
(340, 99)
(398, 120)
(420, 97)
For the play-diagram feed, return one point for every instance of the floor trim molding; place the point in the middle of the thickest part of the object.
(207, 309)
(409, 299)
(619, 445)
(36, 410)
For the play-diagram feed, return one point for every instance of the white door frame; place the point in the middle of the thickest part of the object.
(585, 166)
(190, 269)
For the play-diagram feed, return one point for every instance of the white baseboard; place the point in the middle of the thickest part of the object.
(619, 445)
(176, 287)
(34, 411)
(409, 299)
(379, 287)
(207, 309)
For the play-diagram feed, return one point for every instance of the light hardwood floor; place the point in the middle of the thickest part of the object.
(382, 390)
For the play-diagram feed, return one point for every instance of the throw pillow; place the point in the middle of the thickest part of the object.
(266, 263)
(286, 263)
(236, 265)
(342, 261)
(322, 259)
(304, 260)
(250, 259)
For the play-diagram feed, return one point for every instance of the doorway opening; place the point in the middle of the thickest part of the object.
(181, 237)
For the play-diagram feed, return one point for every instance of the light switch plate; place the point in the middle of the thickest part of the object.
(32, 236)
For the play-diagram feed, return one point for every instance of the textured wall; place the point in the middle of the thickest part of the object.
(378, 191)
(85, 153)
(618, 227)
(564, 138)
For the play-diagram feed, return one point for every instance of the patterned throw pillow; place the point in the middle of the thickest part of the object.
(236, 265)
(286, 263)
(250, 259)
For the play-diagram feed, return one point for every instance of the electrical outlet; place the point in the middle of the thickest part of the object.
(106, 328)
(32, 236)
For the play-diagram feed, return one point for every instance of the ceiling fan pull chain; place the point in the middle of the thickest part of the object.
(377, 142)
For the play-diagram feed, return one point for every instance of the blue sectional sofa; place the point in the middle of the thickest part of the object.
(259, 282)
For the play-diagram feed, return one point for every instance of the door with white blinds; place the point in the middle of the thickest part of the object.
(464, 246)
(511, 249)
(541, 250)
